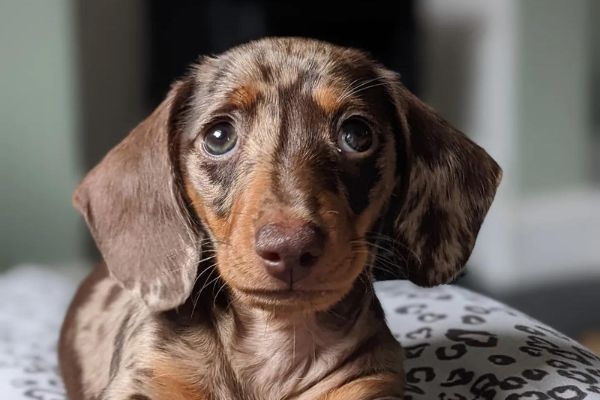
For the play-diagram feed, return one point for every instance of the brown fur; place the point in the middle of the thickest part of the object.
(196, 315)
(221, 227)
(244, 96)
(328, 98)
(70, 367)
(172, 383)
(373, 387)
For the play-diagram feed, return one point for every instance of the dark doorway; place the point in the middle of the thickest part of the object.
(182, 30)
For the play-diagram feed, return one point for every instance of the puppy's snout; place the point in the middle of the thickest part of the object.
(288, 251)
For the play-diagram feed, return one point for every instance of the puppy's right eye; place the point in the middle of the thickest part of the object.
(220, 139)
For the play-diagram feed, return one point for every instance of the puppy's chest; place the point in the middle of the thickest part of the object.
(273, 363)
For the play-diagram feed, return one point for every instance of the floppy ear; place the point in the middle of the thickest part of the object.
(445, 188)
(132, 204)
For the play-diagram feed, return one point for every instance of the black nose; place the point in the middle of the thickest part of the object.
(288, 251)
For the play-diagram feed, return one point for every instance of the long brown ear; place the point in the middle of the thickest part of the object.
(131, 202)
(446, 186)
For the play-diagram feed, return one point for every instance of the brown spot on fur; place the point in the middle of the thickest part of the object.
(217, 225)
(146, 372)
(138, 396)
(327, 97)
(113, 295)
(100, 331)
(119, 341)
(368, 388)
(169, 383)
(244, 96)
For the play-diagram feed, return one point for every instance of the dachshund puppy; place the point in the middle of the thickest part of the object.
(240, 223)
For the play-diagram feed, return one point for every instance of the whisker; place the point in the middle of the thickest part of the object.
(216, 295)
(197, 297)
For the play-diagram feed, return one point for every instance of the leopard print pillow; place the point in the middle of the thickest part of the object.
(461, 346)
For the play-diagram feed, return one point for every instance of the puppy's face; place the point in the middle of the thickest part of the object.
(285, 154)
(289, 158)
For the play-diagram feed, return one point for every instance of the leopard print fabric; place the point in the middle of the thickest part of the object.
(458, 345)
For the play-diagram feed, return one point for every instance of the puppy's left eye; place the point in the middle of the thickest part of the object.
(355, 136)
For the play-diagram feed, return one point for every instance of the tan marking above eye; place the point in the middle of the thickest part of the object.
(244, 96)
(327, 97)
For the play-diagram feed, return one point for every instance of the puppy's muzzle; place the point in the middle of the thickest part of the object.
(289, 249)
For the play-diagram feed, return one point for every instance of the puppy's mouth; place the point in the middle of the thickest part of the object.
(285, 293)
(289, 299)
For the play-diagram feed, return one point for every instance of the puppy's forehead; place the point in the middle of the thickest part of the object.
(267, 66)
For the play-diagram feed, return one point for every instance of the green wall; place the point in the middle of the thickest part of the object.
(553, 92)
(38, 109)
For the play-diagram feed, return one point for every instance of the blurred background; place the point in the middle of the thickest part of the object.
(520, 77)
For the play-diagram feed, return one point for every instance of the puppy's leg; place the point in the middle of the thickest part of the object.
(377, 387)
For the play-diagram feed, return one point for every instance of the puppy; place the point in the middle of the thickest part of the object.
(240, 223)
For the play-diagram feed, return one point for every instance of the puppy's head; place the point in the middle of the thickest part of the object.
(287, 156)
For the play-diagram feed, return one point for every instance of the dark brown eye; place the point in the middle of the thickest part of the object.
(220, 139)
(355, 136)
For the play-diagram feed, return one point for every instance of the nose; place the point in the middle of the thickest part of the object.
(288, 251)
